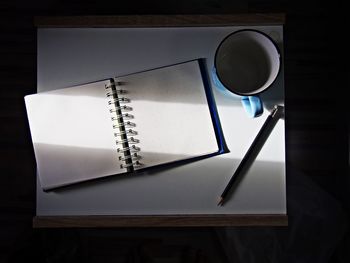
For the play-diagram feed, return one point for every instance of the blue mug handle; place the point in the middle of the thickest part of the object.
(252, 105)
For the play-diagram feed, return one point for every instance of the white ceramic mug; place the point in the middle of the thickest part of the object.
(246, 63)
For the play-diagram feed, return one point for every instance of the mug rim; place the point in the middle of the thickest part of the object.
(273, 43)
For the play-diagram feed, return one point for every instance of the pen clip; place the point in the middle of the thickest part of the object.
(277, 111)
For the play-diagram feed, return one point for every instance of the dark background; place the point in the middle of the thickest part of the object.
(317, 141)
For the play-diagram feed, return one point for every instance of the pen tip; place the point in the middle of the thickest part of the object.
(221, 201)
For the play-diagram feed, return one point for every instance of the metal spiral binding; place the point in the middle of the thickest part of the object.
(111, 93)
(114, 100)
(131, 149)
(127, 124)
(123, 108)
(129, 131)
(130, 140)
(128, 151)
(133, 156)
(124, 116)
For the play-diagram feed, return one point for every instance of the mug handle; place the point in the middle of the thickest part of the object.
(252, 105)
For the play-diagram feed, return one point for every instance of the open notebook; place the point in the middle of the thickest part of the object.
(123, 125)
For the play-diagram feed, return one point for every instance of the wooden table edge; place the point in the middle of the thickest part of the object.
(128, 21)
(160, 221)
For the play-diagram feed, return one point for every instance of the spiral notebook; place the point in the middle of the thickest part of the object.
(123, 125)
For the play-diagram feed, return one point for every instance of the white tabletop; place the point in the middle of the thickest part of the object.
(73, 56)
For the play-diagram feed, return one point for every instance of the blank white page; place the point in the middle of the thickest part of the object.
(171, 113)
(72, 134)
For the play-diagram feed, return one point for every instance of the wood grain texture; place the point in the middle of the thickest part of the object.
(160, 20)
(159, 221)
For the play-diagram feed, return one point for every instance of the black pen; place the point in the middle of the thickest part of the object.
(254, 149)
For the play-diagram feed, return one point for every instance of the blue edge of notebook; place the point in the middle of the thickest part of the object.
(213, 110)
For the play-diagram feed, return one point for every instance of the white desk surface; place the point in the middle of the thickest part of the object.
(73, 56)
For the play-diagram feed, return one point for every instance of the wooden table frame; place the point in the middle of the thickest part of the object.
(142, 21)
